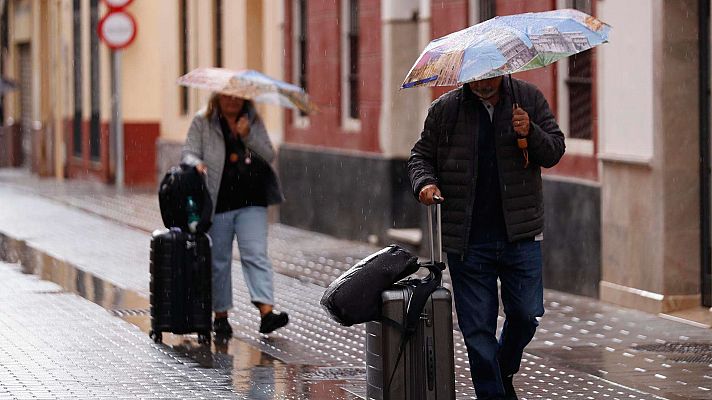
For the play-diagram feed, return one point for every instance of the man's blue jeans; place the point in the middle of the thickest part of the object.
(474, 281)
(249, 226)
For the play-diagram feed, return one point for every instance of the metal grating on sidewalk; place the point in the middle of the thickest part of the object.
(692, 352)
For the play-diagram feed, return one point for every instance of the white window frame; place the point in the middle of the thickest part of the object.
(573, 145)
(348, 124)
(473, 9)
(298, 120)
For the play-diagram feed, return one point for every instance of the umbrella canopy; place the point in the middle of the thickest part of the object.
(7, 85)
(249, 84)
(505, 45)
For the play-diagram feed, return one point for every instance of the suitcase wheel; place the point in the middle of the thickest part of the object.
(156, 336)
(204, 338)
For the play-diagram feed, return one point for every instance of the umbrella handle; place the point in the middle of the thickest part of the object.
(521, 140)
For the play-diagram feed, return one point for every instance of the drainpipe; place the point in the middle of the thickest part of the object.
(704, 95)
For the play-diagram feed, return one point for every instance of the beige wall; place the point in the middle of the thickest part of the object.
(650, 205)
(680, 143)
(141, 68)
(273, 62)
(398, 130)
(626, 81)
(172, 124)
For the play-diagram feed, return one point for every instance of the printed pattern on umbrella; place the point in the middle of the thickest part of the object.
(505, 45)
(249, 84)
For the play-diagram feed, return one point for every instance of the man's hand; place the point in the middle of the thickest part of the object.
(241, 127)
(427, 193)
(520, 121)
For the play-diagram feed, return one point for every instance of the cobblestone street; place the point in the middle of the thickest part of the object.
(84, 334)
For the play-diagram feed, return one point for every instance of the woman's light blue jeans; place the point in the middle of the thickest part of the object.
(249, 226)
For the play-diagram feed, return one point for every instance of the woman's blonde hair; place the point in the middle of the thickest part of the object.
(214, 105)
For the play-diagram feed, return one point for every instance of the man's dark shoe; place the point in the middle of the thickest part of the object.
(272, 321)
(222, 328)
(509, 393)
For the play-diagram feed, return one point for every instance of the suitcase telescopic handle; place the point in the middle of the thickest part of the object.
(435, 226)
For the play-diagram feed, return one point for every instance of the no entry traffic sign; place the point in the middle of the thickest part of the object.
(117, 29)
(117, 4)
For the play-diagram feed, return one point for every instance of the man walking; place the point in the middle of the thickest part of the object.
(492, 215)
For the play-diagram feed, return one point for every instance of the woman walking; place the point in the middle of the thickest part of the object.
(229, 144)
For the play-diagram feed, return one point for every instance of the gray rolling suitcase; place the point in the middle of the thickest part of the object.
(410, 355)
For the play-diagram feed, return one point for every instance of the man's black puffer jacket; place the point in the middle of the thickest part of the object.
(446, 155)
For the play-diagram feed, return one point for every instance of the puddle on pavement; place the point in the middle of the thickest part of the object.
(249, 371)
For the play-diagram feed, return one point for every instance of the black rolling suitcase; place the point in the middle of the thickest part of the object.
(181, 300)
(409, 352)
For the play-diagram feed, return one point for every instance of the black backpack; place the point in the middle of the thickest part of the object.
(355, 296)
(177, 185)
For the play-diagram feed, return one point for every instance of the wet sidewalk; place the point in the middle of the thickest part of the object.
(56, 345)
(93, 240)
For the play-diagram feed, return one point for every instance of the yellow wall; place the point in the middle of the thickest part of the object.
(141, 66)
(252, 38)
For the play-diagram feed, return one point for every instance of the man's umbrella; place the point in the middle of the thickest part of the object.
(249, 84)
(7, 85)
(505, 45)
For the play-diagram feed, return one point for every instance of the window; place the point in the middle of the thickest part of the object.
(575, 93)
(299, 34)
(350, 65)
(183, 52)
(580, 96)
(482, 10)
(3, 52)
(77, 56)
(218, 34)
(94, 124)
(581, 5)
(579, 86)
(488, 9)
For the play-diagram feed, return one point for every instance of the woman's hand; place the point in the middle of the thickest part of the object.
(202, 168)
(241, 127)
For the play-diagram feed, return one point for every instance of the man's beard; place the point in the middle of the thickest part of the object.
(485, 93)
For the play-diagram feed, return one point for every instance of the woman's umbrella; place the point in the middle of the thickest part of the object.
(505, 45)
(249, 84)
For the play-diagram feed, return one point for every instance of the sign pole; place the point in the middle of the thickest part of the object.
(117, 29)
(117, 125)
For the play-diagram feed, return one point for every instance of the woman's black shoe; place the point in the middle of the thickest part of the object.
(272, 321)
(221, 327)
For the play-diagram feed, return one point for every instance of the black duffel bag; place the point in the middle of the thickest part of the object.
(355, 296)
(177, 185)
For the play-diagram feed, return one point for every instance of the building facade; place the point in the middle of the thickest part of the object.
(60, 115)
(332, 159)
(622, 224)
(628, 207)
